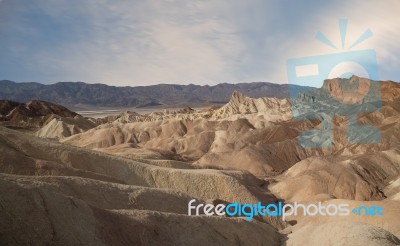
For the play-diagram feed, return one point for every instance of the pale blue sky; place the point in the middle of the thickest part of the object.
(120, 42)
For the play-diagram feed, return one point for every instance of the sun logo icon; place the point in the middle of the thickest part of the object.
(348, 95)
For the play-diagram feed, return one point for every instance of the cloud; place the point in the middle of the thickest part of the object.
(134, 43)
(382, 19)
(202, 42)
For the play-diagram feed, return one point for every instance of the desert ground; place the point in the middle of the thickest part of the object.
(125, 178)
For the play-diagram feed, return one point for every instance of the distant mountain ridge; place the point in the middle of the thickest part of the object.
(79, 93)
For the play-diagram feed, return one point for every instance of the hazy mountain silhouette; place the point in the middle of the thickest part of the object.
(79, 93)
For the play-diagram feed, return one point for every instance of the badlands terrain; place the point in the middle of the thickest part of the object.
(127, 179)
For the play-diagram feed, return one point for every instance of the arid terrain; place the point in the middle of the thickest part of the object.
(126, 179)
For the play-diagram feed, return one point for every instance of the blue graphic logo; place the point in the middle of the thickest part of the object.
(368, 211)
(280, 209)
(342, 93)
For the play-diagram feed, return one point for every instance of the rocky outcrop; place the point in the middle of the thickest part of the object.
(31, 114)
(241, 104)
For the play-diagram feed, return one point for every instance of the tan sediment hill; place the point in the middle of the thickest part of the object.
(43, 157)
(49, 210)
(354, 171)
(131, 117)
(198, 135)
(255, 135)
(389, 221)
(392, 191)
(241, 104)
(73, 195)
(62, 127)
(238, 106)
(128, 180)
(225, 144)
(361, 177)
(341, 233)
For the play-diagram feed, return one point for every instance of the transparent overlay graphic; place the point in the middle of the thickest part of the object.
(350, 88)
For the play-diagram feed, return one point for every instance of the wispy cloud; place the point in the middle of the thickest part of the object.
(202, 42)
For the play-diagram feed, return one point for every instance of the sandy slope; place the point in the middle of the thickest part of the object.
(61, 127)
(252, 135)
(341, 233)
(58, 194)
(69, 195)
(23, 154)
(44, 216)
(128, 180)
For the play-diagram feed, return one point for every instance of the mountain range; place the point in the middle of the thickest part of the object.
(75, 94)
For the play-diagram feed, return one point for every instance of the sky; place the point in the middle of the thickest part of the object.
(132, 43)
